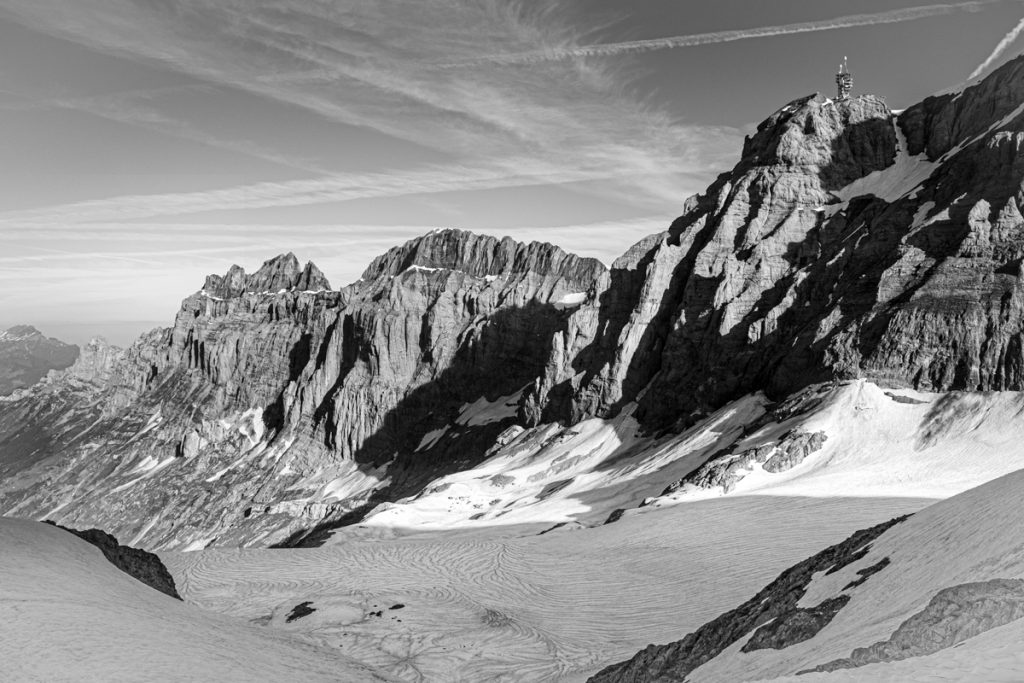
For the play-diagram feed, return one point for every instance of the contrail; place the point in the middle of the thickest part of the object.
(633, 46)
(1000, 49)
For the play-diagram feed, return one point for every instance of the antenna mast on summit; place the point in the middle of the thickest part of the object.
(844, 81)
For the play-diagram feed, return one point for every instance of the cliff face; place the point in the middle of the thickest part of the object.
(848, 242)
(26, 356)
(274, 402)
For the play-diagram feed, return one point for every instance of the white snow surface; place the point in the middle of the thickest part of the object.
(352, 482)
(420, 269)
(571, 300)
(66, 614)
(891, 183)
(898, 443)
(507, 604)
(880, 443)
(975, 536)
(482, 411)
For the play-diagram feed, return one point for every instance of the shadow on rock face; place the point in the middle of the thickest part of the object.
(498, 359)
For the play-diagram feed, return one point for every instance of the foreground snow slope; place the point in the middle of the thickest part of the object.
(507, 604)
(939, 596)
(66, 614)
(994, 657)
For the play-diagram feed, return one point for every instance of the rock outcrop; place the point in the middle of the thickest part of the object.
(26, 356)
(772, 616)
(146, 567)
(952, 616)
(279, 274)
(848, 242)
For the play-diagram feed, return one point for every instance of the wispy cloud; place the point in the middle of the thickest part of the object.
(1003, 45)
(635, 46)
(335, 188)
(366, 64)
(135, 108)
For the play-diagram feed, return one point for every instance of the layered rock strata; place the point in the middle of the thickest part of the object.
(274, 402)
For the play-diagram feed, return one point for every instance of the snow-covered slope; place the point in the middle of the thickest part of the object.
(952, 573)
(870, 442)
(512, 603)
(888, 443)
(66, 614)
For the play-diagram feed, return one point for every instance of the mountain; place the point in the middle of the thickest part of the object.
(848, 242)
(26, 356)
(855, 261)
(830, 333)
(275, 402)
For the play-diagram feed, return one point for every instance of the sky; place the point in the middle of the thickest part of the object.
(148, 143)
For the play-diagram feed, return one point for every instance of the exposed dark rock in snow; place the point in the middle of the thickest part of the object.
(303, 609)
(142, 565)
(795, 626)
(726, 468)
(952, 616)
(867, 573)
(776, 603)
(792, 450)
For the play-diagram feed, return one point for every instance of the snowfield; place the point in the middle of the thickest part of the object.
(515, 604)
(977, 536)
(509, 571)
(879, 443)
(66, 614)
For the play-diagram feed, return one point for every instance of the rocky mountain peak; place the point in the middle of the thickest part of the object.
(839, 140)
(26, 356)
(482, 256)
(312, 279)
(282, 272)
(943, 122)
(96, 361)
(19, 332)
(847, 242)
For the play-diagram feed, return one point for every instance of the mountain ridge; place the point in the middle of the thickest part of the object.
(848, 243)
(27, 355)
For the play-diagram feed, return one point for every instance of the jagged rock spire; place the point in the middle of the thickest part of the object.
(279, 273)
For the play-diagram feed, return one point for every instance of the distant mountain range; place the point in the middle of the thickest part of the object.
(26, 355)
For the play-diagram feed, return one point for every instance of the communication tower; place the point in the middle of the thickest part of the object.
(844, 81)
